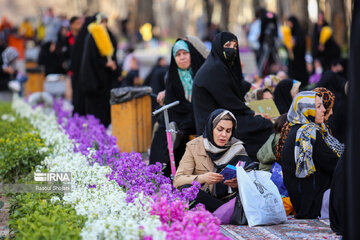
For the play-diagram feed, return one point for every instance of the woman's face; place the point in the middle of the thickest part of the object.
(231, 44)
(267, 95)
(183, 59)
(320, 110)
(320, 18)
(222, 132)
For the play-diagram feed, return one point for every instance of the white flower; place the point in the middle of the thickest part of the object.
(108, 214)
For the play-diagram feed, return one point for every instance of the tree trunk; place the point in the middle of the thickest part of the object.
(338, 21)
(93, 6)
(258, 3)
(224, 20)
(283, 9)
(299, 8)
(145, 12)
(209, 7)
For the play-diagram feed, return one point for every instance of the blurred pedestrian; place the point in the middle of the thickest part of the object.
(324, 46)
(98, 69)
(78, 98)
(297, 66)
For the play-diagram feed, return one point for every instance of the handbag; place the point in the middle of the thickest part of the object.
(238, 217)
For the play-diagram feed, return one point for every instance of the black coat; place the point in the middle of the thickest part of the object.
(96, 80)
(306, 194)
(337, 198)
(297, 66)
(338, 121)
(78, 98)
(216, 85)
(332, 50)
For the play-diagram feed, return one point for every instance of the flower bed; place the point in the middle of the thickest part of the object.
(32, 216)
(117, 193)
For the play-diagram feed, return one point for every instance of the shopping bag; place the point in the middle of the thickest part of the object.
(260, 198)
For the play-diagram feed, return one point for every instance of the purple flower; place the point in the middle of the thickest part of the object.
(135, 176)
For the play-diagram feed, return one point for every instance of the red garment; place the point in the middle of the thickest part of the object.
(70, 38)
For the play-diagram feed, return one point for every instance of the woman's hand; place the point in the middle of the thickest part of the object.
(160, 97)
(264, 115)
(231, 183)
(211, 177)
(111, 64)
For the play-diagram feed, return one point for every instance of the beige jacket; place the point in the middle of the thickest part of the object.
(194, 163)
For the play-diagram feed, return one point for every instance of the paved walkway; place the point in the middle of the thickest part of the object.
(292, 229)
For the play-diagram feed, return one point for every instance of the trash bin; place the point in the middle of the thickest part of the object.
(35, 82)
(131, 118)
(55, 84)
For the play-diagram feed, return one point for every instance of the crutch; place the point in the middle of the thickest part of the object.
(168, 134)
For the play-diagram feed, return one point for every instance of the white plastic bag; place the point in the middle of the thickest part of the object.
(260, 198)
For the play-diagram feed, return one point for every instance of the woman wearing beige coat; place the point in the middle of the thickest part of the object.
(206, 156)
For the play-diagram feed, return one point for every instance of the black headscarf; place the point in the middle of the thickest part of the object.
(208, 131)
(182, 114)
(235, 72)
(282, 95)
(296, 29)
(218, 78)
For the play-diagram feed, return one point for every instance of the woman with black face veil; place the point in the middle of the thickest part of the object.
(185, 62)
(219, 84)
(297, 65)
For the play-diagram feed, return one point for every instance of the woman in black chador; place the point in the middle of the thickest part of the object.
(220, 84)
(297, 65)
(98, 69)
(185, 62)
(78, 99)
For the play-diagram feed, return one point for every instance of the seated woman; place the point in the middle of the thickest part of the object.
(328, 99)
(309, 156)
(207, 155)
(266, 154)
(185, 62)
(220, 84)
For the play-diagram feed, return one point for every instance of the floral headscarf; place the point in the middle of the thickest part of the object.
(327, 97)
(303, 111)
(328, 101)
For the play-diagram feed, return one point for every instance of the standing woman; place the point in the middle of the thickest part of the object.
(220, 84)
(98, 69)
(297, 65)
(185, 62)
(324, 48)
(78, 98)
(309, 156)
